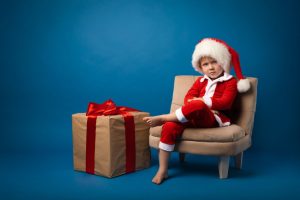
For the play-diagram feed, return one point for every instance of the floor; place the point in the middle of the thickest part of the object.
(51, 176)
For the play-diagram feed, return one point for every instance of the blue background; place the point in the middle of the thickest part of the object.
(56, 56)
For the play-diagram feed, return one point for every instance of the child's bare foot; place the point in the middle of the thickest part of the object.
(159, 177)
(154, 121)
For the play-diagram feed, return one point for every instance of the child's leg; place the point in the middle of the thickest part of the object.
(160, 119)
(162, 172)
(197, 114)
(194, 114)
(170, 131)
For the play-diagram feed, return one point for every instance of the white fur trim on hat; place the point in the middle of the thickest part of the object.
(243, 85)
(214, 49)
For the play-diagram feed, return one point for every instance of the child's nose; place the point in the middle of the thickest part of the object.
(211, 66)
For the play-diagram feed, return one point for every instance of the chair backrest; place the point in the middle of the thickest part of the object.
(243, 109)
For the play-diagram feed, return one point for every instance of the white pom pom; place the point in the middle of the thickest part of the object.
(243, 85)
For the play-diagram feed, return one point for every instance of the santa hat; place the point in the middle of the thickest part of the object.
(224, 55)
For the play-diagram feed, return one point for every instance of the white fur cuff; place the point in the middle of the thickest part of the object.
(166, 147)
(180, 115)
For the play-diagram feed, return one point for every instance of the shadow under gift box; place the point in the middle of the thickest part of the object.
(110, 143)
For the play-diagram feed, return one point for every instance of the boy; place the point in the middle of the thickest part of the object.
(206, 102)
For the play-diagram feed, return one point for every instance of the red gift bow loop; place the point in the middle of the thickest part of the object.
(109, 108)
(106, 108)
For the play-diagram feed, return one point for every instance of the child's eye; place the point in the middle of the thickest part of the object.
(214, 62)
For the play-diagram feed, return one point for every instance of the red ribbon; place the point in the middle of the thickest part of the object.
(109, 108)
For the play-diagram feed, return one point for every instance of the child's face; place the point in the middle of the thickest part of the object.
(211, 68)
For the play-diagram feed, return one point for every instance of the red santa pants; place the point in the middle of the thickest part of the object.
(195, 114)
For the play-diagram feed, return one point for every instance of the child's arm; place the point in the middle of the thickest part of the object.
(193, 91)
(227, 99)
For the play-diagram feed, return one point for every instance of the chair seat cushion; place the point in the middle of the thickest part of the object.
(220, 134)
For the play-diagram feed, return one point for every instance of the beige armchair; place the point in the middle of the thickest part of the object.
(224, 142)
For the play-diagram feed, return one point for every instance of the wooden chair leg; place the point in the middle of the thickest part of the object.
(181, 157)
(239, 160)
(223, 166)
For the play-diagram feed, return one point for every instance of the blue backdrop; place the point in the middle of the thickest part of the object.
(56, 56)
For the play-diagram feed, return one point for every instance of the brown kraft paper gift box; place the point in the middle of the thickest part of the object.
(110, 143)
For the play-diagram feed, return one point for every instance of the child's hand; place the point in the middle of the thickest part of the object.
(195, 98)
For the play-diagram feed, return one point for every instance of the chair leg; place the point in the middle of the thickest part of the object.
(223, 166)
(239, 160)
(181, 157)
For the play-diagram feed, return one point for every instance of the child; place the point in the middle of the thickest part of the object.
(207, 101)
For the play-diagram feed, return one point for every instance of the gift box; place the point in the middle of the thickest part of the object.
(110, 140)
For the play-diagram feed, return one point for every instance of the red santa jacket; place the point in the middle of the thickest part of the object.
(218, 95)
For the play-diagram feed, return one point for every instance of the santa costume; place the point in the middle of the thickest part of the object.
(218, 95)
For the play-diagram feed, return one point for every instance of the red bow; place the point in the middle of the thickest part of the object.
(109, 108)
(106, 108)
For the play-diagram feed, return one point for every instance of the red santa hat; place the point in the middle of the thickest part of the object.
(224, 55)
